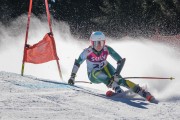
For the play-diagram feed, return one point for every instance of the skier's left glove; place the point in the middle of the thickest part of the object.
(72, 79)
(115, 78)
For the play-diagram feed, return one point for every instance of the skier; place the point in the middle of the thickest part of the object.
(101, 71)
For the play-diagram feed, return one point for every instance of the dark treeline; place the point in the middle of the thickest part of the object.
(115, 17)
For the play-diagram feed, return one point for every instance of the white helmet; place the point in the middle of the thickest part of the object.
(97, 40)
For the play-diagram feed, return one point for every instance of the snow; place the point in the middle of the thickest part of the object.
(41, 95)
(28, 97)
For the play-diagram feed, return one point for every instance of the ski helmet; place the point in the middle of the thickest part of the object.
(97, 40)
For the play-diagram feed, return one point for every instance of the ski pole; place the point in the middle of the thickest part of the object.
(169, 78)
(83, 82)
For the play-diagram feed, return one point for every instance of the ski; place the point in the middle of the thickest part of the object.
(126, 94)
(129, 94)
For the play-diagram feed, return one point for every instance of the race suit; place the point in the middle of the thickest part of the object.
(98, 68)
(101, 71)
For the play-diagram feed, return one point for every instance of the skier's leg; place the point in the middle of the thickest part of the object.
(116, 87)
(115, 84)
(102, 76)
(97, 77)
(105, 76)
(136, 88)
(110, 70)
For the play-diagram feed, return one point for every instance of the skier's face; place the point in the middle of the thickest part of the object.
(98, 45)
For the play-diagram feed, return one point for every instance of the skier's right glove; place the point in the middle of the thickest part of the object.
(72, 79)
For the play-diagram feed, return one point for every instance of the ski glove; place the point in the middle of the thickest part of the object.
(115, 78)
(72, 79)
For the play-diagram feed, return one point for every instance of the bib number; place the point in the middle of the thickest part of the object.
(99, 65)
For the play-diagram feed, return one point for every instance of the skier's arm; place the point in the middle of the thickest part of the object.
(118, 58)
(74, 71)
(76, 66)
(120, 65)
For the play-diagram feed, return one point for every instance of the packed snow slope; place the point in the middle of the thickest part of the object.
(26, 98)
(31, 98)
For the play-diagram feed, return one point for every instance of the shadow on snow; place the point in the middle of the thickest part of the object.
(134, 102)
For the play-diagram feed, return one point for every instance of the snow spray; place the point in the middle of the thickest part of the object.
(144, 57)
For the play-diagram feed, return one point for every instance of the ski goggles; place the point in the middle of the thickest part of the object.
(98, 43)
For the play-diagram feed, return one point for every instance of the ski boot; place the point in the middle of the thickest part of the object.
(145, 94)
(117, 90)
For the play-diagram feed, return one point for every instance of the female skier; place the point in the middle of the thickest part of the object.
(101, 71)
